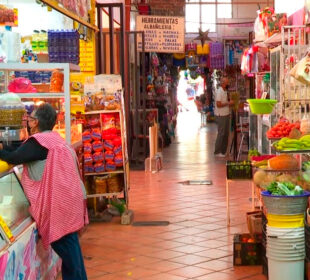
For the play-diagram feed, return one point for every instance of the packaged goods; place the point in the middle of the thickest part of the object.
(118, 160)
(21, 85)
(96, 134)
(101, 184)
(110, 166)
(98, 157)
(86, 136)
(88, 159)
(108, 121)
(57, 81)
(108, 145)
(97, 146)
(87, 148)
(99, 167)
(88, 169)
(118, 150)
(12, 110)
(109, 155)
(93, 121)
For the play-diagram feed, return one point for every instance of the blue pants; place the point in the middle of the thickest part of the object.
(69, 250)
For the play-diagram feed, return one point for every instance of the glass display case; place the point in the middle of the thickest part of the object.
(45, 82)
(14, 206)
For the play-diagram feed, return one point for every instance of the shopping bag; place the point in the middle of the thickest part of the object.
(301, 71)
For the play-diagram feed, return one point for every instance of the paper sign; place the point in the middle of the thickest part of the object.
(162, 34)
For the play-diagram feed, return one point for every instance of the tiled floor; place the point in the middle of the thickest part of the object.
(197, 244)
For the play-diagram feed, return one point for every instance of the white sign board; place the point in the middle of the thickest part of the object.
(162, 34)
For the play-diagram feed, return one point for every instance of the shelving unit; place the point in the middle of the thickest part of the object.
(66, 68)
(122, 173)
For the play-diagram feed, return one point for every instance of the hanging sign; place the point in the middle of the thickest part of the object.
(162, 34)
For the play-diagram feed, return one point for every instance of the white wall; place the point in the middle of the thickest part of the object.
(32, 16)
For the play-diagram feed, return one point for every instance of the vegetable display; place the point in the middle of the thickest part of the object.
(282, 129)
(287, 144)
(284, 189)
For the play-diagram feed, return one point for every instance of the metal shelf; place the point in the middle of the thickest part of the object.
(104, 173)
(39, 66)
(41, 95)
(104, 194)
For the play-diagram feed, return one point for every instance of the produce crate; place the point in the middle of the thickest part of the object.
(247, 253)
(238, 170)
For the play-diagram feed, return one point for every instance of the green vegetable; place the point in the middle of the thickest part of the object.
(285, 189)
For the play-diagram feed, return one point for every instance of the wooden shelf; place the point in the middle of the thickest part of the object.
(104, 194)
(53, 4)
(102, 112)
(104, 173)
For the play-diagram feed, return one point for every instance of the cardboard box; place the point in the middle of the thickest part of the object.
(254, 221)
(245, 252)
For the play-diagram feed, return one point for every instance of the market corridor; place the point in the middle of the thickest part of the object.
(197, 244)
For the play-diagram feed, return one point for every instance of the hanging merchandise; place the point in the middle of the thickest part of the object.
(190, 47)
(301, 71)
(216, 55)
(155, 60)
(203, 49)
(8, 16)
(259, 29)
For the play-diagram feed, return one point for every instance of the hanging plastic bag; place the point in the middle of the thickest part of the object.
(301, 71)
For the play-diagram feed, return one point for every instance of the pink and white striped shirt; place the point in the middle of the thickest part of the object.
(57, 201)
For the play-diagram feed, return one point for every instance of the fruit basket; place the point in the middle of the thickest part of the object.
(261, 106)
(238, 170)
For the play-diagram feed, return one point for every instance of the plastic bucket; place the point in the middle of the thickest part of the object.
(285, 205)
(286, 221)
(285, 270)
(261, 106)
(285, 233)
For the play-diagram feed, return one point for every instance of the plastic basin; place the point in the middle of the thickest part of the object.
(261, 106)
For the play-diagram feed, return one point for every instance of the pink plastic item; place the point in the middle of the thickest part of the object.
(21, 85)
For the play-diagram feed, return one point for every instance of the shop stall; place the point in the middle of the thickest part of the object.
(280, 116)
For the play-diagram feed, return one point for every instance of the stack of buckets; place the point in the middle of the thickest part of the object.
(285, 236)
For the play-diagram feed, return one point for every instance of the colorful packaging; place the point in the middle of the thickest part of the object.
(96, 134)
(98, 157)
(117, 141)
(86, 136)
(108, 121)
(109, 155)
(88, 159)
(99, 167)
(93, 121)
(110, 166)
(117, 150)
(118, 160)
(88, 169)
(108, 145)
(88, 148)
(97, 146)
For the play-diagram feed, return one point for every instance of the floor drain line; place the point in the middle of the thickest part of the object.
(150, 223)
(196, 182)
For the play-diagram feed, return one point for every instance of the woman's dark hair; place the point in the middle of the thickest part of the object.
(46, 116)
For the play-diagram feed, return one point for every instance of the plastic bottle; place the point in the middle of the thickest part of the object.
(35, 41)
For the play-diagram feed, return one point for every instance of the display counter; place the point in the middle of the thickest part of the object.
(22, 255)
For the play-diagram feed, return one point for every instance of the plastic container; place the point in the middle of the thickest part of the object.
(285, 270)
(261, 106)
(238, 170)
(285, 253)
(285, 205)
(285, 221)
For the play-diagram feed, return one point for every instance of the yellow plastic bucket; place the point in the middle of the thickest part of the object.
(286, 221)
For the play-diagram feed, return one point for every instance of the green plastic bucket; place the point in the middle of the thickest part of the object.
(261, 106)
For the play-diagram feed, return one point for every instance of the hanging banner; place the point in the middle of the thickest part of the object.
(162, 34)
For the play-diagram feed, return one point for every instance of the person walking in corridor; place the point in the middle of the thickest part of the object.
(222, 114)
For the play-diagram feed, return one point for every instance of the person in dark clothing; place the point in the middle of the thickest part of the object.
(163, 122)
